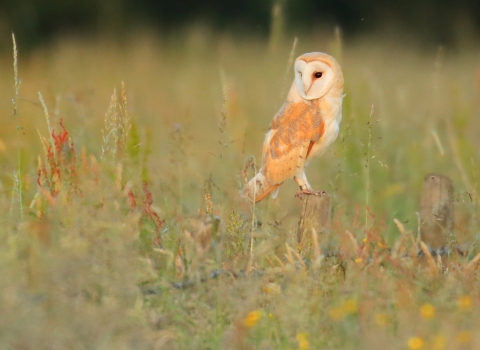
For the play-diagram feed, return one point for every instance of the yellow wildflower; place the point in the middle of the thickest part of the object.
(350, 306)
(252, 318)
(415, 343)
(336, 314)
(381, 245)
(464, 337)
(302, 339)
(464, 303)
(381, 319)
(266, 290)
(427, 311)
(358, 260)
(439, 342)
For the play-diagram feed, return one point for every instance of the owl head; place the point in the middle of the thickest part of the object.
(317, 74)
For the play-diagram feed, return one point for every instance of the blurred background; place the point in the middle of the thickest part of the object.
(429, 21)
(157, 107)
(204, 78)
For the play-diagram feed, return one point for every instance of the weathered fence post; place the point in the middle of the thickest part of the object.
(316, 214)
(436, 211)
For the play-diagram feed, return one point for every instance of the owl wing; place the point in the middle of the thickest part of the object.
(293, 132)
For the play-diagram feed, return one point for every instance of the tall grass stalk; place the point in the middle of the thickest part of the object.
(457, 158)
(367, 166)
(15, 74)
(17, 82)
(250, 259)
(277, 26)
(336, 47)
(438, 142)
(47, 117)
(124, 122)
(110, 132)
(251, 164)
(288, 69)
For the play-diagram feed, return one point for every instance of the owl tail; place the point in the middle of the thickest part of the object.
(258, 188)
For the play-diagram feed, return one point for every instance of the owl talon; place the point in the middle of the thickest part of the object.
(308, 192)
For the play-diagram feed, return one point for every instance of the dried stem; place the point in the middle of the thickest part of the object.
(47, 117)
(17, 82)
(367, 166)
(15, 74)
(289, 65)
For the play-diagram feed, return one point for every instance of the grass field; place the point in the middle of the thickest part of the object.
(113, 192)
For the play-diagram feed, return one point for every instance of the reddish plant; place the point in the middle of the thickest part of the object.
(61, 163)
(132, 201)
(149, 213)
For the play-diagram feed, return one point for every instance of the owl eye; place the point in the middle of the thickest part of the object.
(318, 75)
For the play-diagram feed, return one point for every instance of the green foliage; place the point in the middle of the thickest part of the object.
(235, 238)
(152, 245)
(133, 145)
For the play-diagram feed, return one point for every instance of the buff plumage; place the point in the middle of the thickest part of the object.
(306, 124)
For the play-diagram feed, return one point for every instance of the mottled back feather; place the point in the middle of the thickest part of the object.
(295, 128)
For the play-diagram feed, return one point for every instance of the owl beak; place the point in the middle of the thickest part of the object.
(306, 89)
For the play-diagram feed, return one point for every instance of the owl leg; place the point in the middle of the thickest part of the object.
(301, 180)
(305, 188)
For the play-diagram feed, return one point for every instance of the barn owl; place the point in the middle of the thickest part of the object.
(306, 124)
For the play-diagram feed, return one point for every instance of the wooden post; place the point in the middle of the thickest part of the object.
(436, 210)
(316, 214)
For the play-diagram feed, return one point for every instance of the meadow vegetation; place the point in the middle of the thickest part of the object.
(123, 226)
